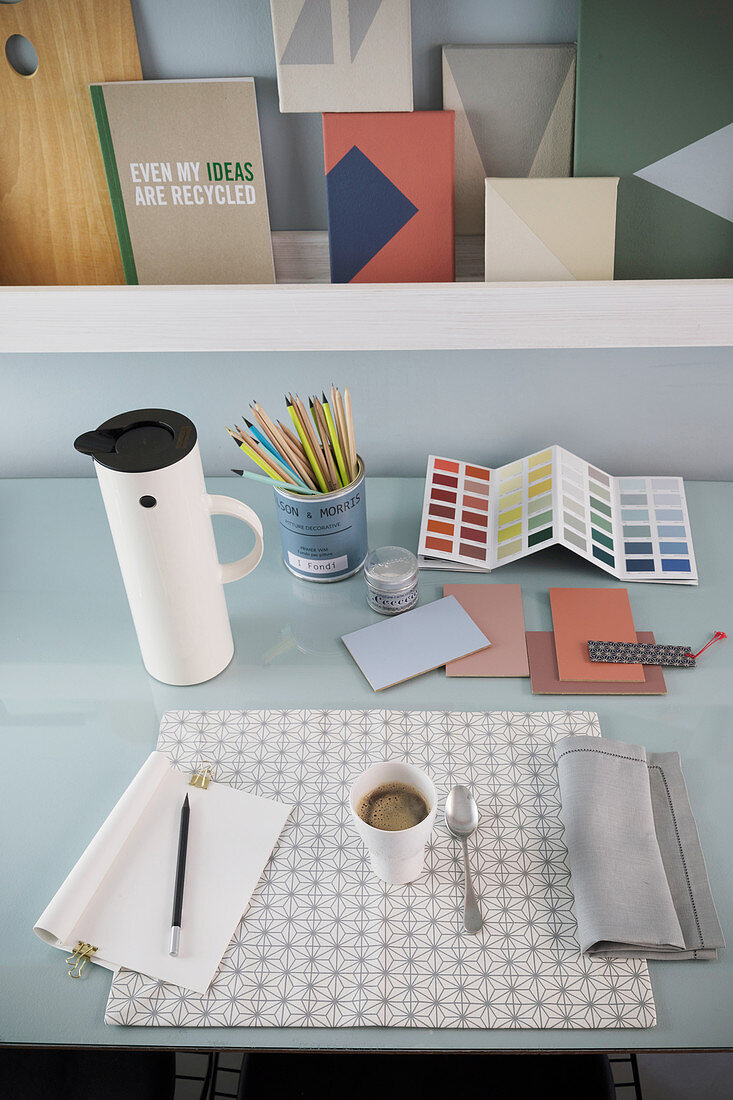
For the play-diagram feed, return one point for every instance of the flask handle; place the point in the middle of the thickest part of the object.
(228, 506)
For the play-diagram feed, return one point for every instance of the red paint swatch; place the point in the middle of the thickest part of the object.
(442, 510)
(445, 479)
(478, 552)
(477, 518)
(443, 494)
(476, 536)
(476, 502)
(444, 464)
(438, 544)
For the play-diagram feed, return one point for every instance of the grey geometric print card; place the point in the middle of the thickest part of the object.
(326, 944)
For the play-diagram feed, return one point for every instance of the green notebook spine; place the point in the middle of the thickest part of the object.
(113, 183)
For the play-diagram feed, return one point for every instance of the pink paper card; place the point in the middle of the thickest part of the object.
(497, 611)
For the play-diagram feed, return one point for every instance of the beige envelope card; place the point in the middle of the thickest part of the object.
(550, 229)
(343, 55)
(514, 108)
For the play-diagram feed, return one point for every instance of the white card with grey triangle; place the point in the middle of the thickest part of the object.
(343, 55)
(326, 944)
(514, 108)
(541, 230)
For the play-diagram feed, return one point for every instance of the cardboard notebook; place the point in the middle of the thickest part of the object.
(635, 528)
(389, 186)
(185, 175)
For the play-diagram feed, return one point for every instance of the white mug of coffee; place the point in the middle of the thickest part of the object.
(393, 807)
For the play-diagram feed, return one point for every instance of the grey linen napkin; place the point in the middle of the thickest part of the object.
(639, 877)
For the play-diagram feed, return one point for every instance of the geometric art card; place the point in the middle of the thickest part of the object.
(635, 528)
(343, 55)
(550, 229)
(389, 187)
(514, 109)
(655, 106)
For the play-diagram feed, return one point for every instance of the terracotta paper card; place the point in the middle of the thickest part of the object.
(550, 229)
(185, 175)
(546, 681)
(497, 611)
(389, 186)
(582, 613)
(343, 55)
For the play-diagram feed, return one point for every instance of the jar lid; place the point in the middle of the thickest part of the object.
(390, 568)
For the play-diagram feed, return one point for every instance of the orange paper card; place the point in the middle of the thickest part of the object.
(579, 614)
(497, 611)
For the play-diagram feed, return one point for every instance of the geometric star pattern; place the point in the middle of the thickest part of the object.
(326, 944)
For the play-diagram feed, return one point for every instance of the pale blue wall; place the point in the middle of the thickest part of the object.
(644, 411)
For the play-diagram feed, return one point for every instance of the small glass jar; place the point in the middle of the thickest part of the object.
(391, 579)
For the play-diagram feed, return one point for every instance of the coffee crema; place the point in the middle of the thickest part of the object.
(393, 806)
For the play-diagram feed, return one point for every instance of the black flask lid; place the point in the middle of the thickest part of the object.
(140, 441)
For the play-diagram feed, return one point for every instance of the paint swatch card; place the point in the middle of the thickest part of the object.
(389, 190)
(343, 55)
(497, 610)
(545, 679)
(582, 613)
(635, 528)
(415, 642)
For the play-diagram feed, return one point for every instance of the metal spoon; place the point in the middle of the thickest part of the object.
(461, 817)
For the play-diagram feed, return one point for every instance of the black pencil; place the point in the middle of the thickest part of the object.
(180, 878)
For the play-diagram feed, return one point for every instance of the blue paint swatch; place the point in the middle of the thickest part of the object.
(671, 532)
(640, 531)
(668, 514)
(675, 565)
(628, 516)
(633, 498)
(640, 565)
(638, 547)
(673, 548)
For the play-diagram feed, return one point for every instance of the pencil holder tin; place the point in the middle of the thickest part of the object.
(324, 537)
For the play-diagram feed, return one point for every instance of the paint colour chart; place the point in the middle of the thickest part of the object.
(477, 518)
(484, 518)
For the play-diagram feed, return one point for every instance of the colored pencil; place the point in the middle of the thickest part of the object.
(284, 447)
(313, 439)
(267, 446)
(335, 441)
(307, 447)
(320, 423)
(274, 481)
(350, 430)
(295, 454)
(318, 457)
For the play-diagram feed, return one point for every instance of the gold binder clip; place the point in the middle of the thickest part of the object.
(79, 956)
(203, 777)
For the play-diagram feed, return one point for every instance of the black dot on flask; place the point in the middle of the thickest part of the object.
(148, 502)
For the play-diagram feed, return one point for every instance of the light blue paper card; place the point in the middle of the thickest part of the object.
(415, 642)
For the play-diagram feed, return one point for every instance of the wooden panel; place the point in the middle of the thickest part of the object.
(368, 317)
(56, 222)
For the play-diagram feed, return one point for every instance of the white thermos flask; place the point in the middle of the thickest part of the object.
(149, 470)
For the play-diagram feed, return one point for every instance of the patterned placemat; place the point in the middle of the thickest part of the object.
(325, 944)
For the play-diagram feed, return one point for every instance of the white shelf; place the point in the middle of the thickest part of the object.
(304, 312)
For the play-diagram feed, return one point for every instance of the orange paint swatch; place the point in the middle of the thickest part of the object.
(579, 614)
